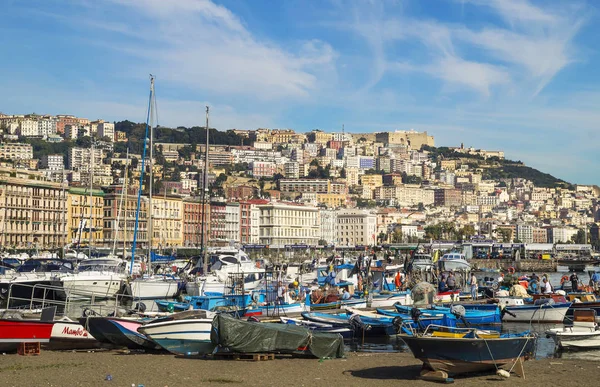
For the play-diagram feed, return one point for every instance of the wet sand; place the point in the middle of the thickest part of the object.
(358, 369)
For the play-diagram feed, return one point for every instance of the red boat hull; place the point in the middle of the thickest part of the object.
(13, 332)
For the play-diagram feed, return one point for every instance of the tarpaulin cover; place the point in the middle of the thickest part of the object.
(247, 337)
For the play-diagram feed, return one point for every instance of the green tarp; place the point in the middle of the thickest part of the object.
(255, 337)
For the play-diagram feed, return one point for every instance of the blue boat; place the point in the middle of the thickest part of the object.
(358, 324)
(212, 301)
(471, 317)
(423, 321)
(318, 327)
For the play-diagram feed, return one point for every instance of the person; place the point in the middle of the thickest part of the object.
(595, 280)
(442, 286)
(474, 287)
(534, 277)
(280, 292)
(547, 288)
(451, 281)
(501, 278)
(346, 294)
(398, 281)
(574, 280)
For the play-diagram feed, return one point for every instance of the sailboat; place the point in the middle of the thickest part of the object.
(150, 285)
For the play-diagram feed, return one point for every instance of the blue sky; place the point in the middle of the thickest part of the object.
(495, 74)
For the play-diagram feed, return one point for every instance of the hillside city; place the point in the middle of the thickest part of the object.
(275, 188)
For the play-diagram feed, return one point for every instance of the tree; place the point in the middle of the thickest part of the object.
(314, 163)
(579, 238)
(381, 237)
(343, 173)
(421, 207)
(397, 235)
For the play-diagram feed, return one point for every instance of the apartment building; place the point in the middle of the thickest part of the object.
(52, 162)
(356, 228)
(328, 229)
(263, 168)
(250, 221)
(85, 216)
(232, 222)
(167, 221)
(122, 208)
(16, 151)
(33, 213)
(284, 224)
(192, 222)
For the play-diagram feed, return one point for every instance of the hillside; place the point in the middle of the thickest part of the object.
(495, 168)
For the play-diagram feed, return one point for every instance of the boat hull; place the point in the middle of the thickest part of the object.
(339, 305)
(71, 335)
(383, 301)
(181, 337)
(13, 332)
(572, 338)
(152, 289)
(97, 287)
(460, 355)
(547, 313)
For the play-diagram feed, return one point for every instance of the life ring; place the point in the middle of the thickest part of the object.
(511, 270)
(563, 279)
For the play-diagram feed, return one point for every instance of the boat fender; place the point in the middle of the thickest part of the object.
(140, 307)
(503, 373)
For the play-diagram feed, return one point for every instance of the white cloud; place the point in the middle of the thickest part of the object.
(200, 45)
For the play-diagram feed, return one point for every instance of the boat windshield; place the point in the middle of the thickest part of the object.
(99, 265)
(36, 265)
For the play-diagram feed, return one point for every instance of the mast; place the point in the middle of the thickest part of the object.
(116, 228)
(204, 200)
(91, 234)
(139, 198)
(126, 202)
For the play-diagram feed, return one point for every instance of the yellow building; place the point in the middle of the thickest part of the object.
(32, 213)
(124, 208)
(167, 221)
(79, 204)
(448, 165)
(372, 181)
(332, 200)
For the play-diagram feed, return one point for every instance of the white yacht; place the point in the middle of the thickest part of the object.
(454, 261)
(225, 263)
(422, 262)
(97, 278)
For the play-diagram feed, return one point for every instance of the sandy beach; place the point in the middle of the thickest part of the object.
(358, 369)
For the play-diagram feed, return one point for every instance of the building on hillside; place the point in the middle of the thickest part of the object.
(356, 228)
(106, 129)
(263, 168)
(52, 162)
(33, 213)
(239, 192)
(283, 224)
(250, 221)
(448, 197)
(16, 151)
(415, 139)
(85, 216)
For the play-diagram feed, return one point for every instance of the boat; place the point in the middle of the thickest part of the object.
(96, 278)
(583, 334)
(549, 312)
(32, 281)
(156, 286)
(422, 262)
(16, 331)
(318, 327)
(359, 324)
(184, 333)
(381, 300)
(454, 262)
(235, 335)
(333, 303)
(210, 301)
(274, 309)
(448, 296)
(68, 334)
(468, 317)
(469, 353)
(121, 332)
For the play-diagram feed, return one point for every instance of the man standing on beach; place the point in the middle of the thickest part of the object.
(474, 287)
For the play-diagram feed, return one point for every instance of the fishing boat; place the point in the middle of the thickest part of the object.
(121, 332)
(381, 300)
(318, 327)
(422, 262)
(449, 296)
(544, 312)
(470, 352)
(454, 262)
(185, 333)
(15, 331)
(210, 301)
(276, 309)
(583, 334)
(468, 317)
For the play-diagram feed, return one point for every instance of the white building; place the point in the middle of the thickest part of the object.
(106, 129)
(292, 170)
(284, 224)
(232, 222)
(328, 226)
(29, 128)
(16, 151)
(52, 162)
(80, 158)
(356, 228)
(46, 127)
(525, 233)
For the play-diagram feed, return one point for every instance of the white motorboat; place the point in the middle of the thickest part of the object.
(184, 333)
(454, 262)
(97, 278)
(584, 334)
(156, 286)
(69, 334)
(386, 300)
(546, 313)
(422, 262)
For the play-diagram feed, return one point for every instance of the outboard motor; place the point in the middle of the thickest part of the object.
(460, 312)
